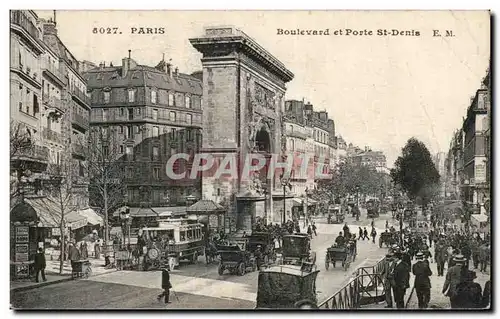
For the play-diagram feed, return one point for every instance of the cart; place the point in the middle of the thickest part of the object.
(265, 240)
(343, 254)
(235, 260)
(287, 287)
(385, 238)
(81, 269)
(296, 250)
(336, 214)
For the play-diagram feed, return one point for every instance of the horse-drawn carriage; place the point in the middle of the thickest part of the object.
(266, 241)
(287, 287)
(236, 258)
(372, 208)
(345, 254)
(386, 238)
(296, 249)
(336, 214)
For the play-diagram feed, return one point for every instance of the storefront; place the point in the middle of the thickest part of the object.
(210, 214)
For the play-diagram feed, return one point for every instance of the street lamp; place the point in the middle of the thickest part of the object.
(285, 182)
(126, 222)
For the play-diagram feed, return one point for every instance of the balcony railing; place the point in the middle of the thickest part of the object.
(36, 152)
(78, 149)
(145, 115)
(297, 134)
(80, 95)
(80, 120)
(50, 135)
(19, 18)
(56, 72)
(54, 102)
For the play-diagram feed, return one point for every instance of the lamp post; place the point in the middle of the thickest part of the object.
(126, 222)
(285, 183)
(401, 216)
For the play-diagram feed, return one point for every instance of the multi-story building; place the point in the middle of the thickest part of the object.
(69, 130)
(375, 159)
(487, 135)
(440, 164)
(26, 96)
(475, 189)
(152, 113)
(341, 149)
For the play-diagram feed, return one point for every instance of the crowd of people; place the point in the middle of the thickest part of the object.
(457, 251)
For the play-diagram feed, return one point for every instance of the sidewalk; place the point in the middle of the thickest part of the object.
(438, 300)
(53, 276)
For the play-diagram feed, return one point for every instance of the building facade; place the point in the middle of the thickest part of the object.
(440, 164)
(151, 113)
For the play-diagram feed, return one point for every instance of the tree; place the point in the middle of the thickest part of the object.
(415, 172)
(21, 143)
(349, 178)
(106, 186)
(61, 199)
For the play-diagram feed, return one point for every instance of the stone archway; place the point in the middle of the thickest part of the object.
(263, 141)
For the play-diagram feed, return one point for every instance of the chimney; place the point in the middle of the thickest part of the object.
(101, 65)
(169, 69)
(126, 65)
(111, 64)
(176, 71)
(55, 22)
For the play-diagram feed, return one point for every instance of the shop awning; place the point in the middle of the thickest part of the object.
(143, 212)
(169, 211)
(297, 202)
(92, 217)
(480, 218)
(74, 220)
(133, 211)
(48, 213)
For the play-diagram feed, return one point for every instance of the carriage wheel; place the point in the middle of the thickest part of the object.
(241, 269)
(221, 270)
(327, 264)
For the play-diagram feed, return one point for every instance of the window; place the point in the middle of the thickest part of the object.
(130, 114)
(20, 60)
(292, 145)
(188, 102)
(122, 111)
(156, 173)
(105, 150)
(155, 114)
(170, 99)
(106, 97)
(130, 172)
(131, 96)
(156, 151)
(121, 149)
(172, 133)
(153, 97)
(130, 150)
(120, 129)
(104, 115)
(104, 132)
(189, 118)
(138, 111)
(130, 132)
(156, 131)
(36, 108)
(172, 116)
(20, 106)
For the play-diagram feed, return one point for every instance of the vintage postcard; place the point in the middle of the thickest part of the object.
(250, 160)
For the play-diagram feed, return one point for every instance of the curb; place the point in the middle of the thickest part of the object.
(47, 283)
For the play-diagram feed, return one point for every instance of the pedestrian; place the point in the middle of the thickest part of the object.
(40, 264)
(314, 229)
(258, 257)
(374, 234)
(469, 293)
(422, 283)
(386, 274)
(441, 256)
(386, 224)
(486, 295)
(165, 285)
(454, 277)
(84, 251)
(361, 234)
(74, 255)
(484, 256)
(309, 231)
(400, 281)
(365, 234)
(97, 249)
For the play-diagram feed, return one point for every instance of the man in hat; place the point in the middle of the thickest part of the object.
(165, 285)
(340, 240)
(386, 274)
(453, 278)
(400, 280)
(441, 256)
(469, 293)
(422, 282)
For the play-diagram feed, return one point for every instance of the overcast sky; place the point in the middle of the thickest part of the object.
(380, 91)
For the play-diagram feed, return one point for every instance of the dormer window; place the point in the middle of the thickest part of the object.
(153, 97)
(131, 95)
